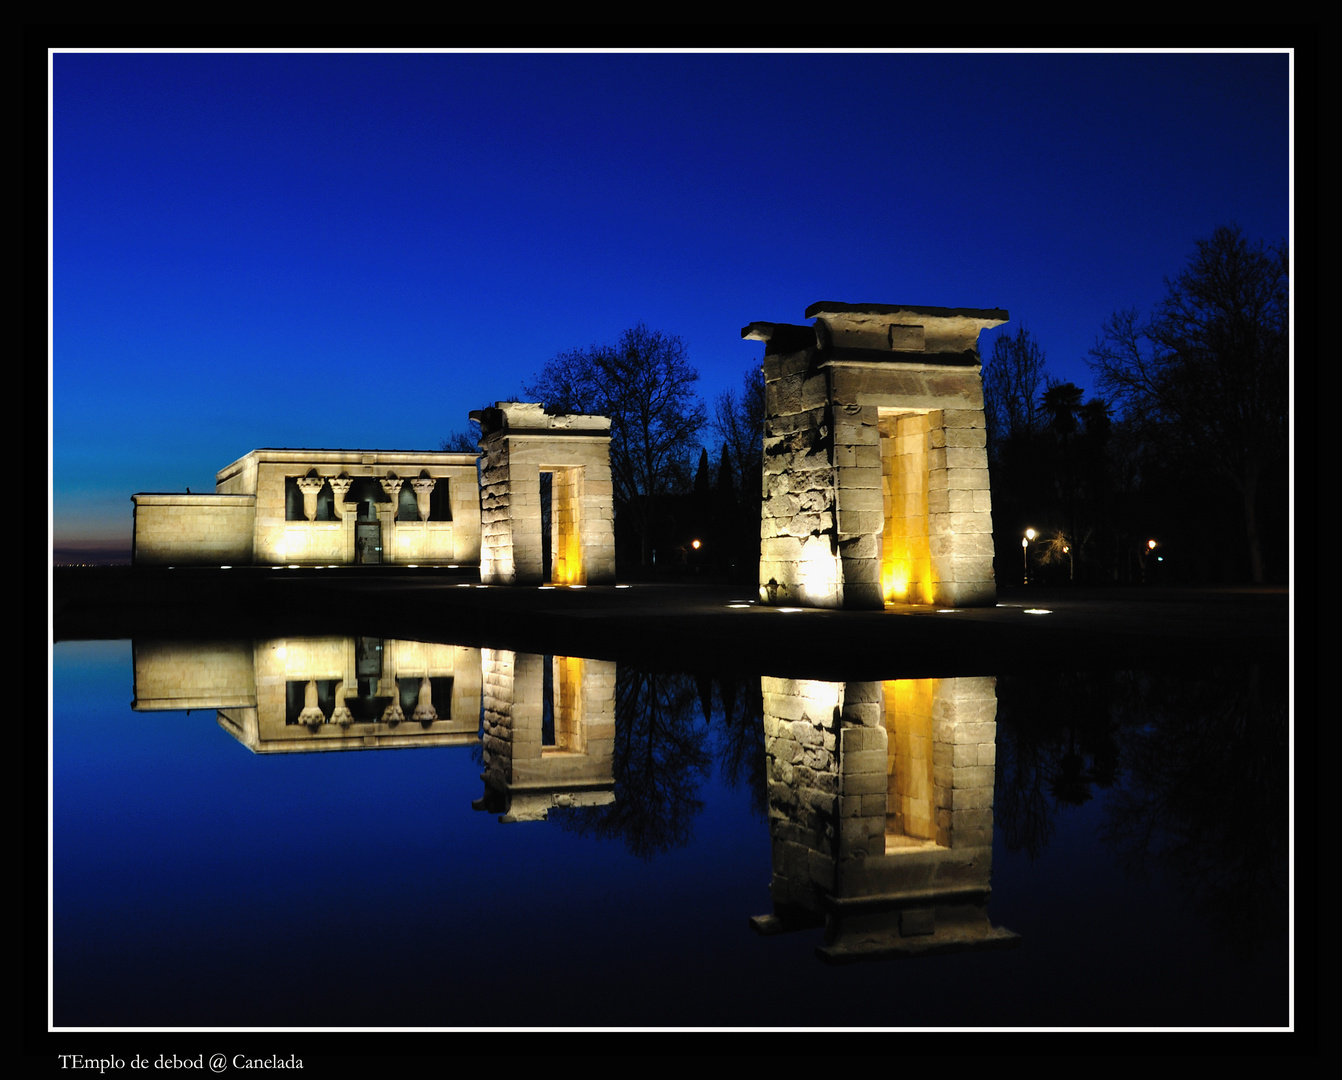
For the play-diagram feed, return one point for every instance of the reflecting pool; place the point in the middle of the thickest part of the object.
(360, 831)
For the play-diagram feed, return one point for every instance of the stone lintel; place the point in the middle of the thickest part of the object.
(841, 315)
(900, 327)
(780, 337)
(909, 361)
(532, 418)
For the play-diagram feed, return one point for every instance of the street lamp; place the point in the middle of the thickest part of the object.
(1025, 552)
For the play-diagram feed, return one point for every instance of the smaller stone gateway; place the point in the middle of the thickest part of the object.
(522, 444)
(875, 458)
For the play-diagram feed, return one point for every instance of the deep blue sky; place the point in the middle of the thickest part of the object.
(354, 250)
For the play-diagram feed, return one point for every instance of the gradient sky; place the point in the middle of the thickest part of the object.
(356, 249)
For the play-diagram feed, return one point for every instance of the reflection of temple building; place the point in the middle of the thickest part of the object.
(319, 507)
(880, 806)
(284, 695)
(548, 733)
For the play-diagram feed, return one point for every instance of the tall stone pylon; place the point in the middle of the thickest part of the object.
(875, 458)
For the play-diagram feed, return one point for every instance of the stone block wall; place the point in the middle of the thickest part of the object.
(964, 756)
(193, 529)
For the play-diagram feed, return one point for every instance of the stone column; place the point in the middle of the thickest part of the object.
(423, 487)
(391, 484)
(311, 714)
(425, 713)
(340, 486)
(310, 486)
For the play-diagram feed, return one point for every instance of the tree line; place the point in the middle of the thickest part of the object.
(1185, 442)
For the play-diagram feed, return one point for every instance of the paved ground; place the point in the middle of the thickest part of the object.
(684, 625)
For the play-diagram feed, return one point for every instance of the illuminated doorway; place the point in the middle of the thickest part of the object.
(912, 803)
(906, 556)
(563, 529)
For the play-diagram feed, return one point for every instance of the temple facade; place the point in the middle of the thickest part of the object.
(319, 508)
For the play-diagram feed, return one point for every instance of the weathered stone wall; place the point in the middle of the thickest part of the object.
(964, 754)
(880, 811)
(801, 724)
(173, 530)
(799, 556)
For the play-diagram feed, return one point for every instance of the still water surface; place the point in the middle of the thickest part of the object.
(207, 872)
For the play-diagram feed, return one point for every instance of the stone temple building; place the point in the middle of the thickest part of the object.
(319, 508)
(875, 458)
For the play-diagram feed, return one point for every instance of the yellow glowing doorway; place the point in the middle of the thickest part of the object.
(906, 557)
(911, 801)
(566, 561)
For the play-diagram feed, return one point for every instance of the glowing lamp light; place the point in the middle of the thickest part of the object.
(694, 544)
(1150, 545)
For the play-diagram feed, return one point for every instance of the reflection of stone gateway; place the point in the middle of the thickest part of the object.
(521, 442)
(875, 462)
(548, 733)
(880, 812)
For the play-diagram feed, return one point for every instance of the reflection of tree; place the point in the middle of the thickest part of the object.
(740, 744)
(1055, 744)
(1208, 796)
(660, 762)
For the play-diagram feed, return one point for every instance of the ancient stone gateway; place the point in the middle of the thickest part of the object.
(521, 443)
(875, 460)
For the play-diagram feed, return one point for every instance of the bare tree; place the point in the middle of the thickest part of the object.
(645, 384)
(738, 421)
(1013, 381)
(1208, 371)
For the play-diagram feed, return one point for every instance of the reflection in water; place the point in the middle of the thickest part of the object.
(880, 807)
(287, 695)
(881, 798)
(661, 761)
(1199, 772)
(548, 728)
